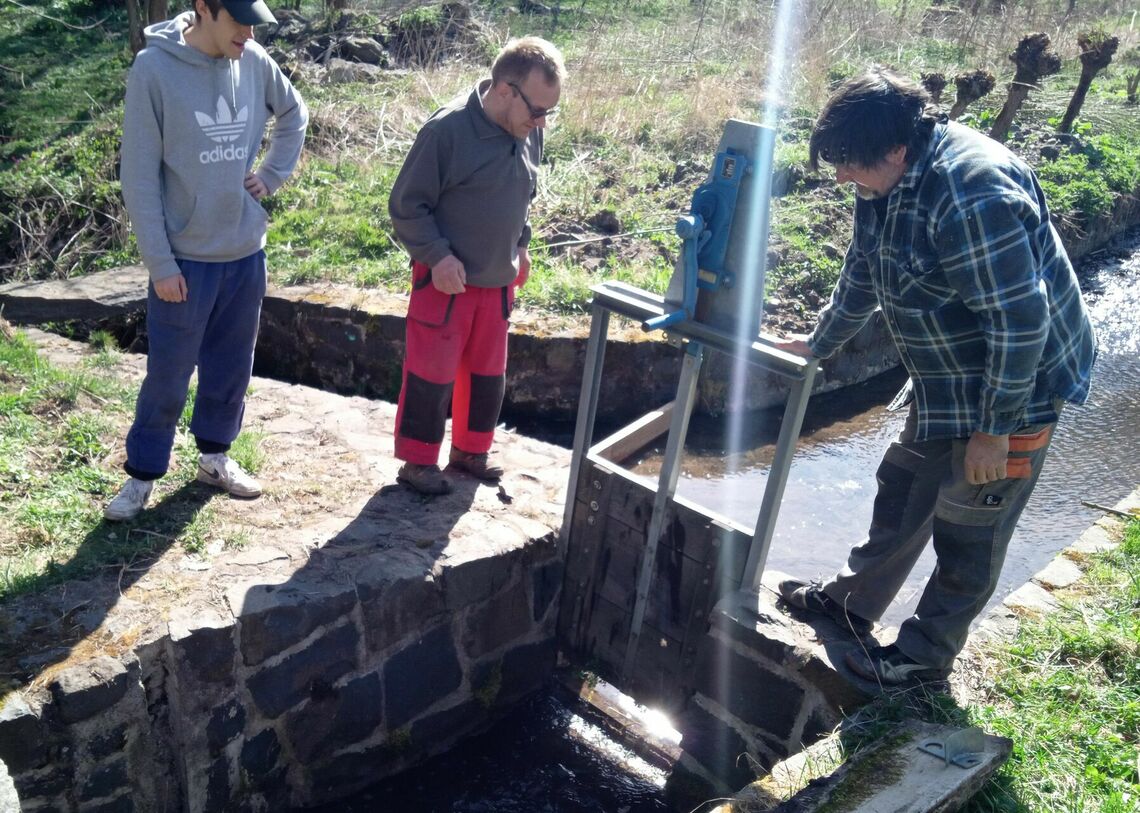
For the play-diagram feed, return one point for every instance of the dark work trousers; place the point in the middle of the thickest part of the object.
(923, 493)
(215, 329)
(455, 353)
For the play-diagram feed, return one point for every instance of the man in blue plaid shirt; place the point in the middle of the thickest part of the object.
(953, 243)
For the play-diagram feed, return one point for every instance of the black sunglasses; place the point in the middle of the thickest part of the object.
(535, 112)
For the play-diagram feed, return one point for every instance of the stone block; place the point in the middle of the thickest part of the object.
(525, 669)
(818, 725)
(120, 804)
(278, 688)
(436, 731)
(716, 746)
(393, 610)
(1032, 599)
(420, 675)
(23, 735)
(756, 695)
(261, 756)
(1094, 539)
(201, 642)
(546, 581)
(217, 785)
(336, 719)
(1058, 573)
(105, 780)
(276, 617)
(225, 723)
(476, 573)
(346, 773)
(107, 744)
(503, 619)
(83, 691)
(48, 782)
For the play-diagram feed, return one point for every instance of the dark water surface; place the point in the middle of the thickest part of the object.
(545, 758)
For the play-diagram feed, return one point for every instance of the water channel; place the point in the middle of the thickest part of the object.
(546, 758)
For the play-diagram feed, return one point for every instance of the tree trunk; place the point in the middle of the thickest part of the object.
(157, 11)
(1018, 93)
(1075, 103)
(135, 26)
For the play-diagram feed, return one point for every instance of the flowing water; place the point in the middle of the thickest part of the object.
(545, 758)
(1095, 457)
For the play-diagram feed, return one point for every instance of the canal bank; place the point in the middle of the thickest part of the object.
(266, 742)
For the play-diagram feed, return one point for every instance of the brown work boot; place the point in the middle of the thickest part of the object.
(424, 479)
(477, 465)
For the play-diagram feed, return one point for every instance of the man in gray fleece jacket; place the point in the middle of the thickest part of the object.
(198, 100)
(460, 207)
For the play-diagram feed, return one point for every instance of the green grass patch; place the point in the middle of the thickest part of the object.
(1065, 690)
(59, 428)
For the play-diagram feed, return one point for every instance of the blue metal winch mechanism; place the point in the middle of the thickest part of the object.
(714, 300)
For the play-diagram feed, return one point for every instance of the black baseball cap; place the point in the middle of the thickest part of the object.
(249, 12)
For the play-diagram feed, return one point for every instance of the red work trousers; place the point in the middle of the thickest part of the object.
(455, 353)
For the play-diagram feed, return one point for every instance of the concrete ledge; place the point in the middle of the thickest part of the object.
(349, 341)
(360, 629)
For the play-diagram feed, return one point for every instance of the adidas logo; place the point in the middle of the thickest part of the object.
(222, 129)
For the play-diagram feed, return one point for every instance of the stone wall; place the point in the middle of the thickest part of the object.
(766, 687)
(300, 694)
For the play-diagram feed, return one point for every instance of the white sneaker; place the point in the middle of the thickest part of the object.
(221, 471)
(130, 500)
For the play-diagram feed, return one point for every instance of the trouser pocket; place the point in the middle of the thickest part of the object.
(428, 304)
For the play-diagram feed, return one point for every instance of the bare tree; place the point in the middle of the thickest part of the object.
(1097, 49)
(971, 86)
(1034, 60)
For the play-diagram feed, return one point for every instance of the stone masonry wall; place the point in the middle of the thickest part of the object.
(301, 694)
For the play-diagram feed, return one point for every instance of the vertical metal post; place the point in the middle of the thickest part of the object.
(587, 412)
(666, 485)
(778, 476)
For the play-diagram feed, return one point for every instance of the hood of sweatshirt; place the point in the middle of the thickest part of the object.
(192, 132)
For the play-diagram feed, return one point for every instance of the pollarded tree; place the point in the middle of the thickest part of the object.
(1097, 49)
(1034, 60)
(971, 85)
(934, 84)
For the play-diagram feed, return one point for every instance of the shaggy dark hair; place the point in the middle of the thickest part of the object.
(869, 116)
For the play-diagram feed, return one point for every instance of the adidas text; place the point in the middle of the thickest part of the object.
(220, 153)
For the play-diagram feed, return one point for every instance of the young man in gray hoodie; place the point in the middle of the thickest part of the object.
(198, 100)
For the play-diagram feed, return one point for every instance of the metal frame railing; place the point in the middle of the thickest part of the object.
(694, 337)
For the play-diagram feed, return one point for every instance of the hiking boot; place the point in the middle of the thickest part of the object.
(222, 471)
(477, 465)
(809, 596)
(130, 500)
(888, 666)
(424, 479)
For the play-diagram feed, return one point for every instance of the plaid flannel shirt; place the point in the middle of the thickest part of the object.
(975, 287)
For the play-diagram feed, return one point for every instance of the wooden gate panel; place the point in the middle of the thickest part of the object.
(699, 558)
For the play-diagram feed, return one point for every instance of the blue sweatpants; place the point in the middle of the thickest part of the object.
(215, 329)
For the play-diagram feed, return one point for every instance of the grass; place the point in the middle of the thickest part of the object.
(1065, 689)
(59, 431)
(651, 84)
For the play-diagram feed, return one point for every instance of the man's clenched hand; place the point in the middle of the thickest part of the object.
(171, 289)
(986, 457)
(448, 275)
